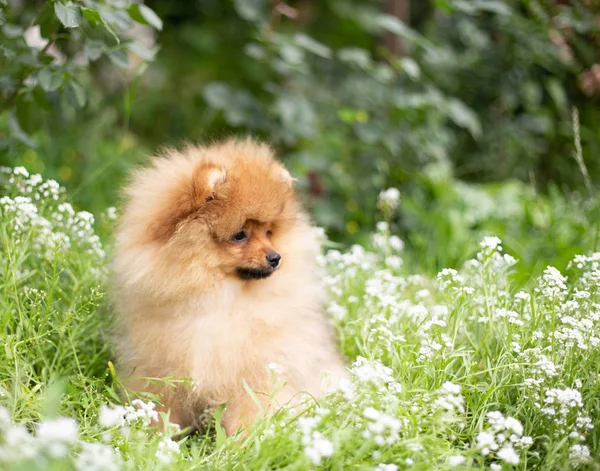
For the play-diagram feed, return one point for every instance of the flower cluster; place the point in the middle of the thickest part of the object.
(501, 437)
(316, 446)
(450, 399)
(122, 416)
(382, 428)
(388, 200)
(35, 213)
(54, 439)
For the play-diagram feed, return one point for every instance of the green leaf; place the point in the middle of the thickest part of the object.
(17, 133)
(464, 117)
(47, 21)
(95, 17)
(50, 80)
(12, 31)
(557, 92)
(93, 49)
(355, 56)
(221, 436)
(476, 6)
(145, 15)
(75, 94)
(41, 100)
(217, 95)
(251, 10)
(68, 14)
(445, 5)
(119, 58)
(140, 50)
(28, 114)
(309, 44)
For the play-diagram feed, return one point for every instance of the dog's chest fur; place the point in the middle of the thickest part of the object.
(232, 333)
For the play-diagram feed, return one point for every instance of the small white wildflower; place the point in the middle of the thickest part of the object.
(111, 213)
(456, 460)
(486, 441)
(491, 243)
(97, 457)
(396, 243)
(513, 425)
(382, 226)
(168, 450)
(389, 199)
(393, 261)
(56, 436)
(386, 467)
(143, 411)
(112, 416)
(508, 454)
(579, 454)
(336, 311)
(21, 171)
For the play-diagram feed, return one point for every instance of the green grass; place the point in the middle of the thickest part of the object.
(481, 366)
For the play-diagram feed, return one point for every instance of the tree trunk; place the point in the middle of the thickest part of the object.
(401, 10)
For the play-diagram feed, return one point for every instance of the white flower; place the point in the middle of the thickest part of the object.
(112, 416)
(386, 467)
(56, 436)
(111, 213)
(389, 199)
(143, 411)
(486, 441)
(396, 243)
(168, 450)
(513, 425)
(382, 226)
(393, 261)
(456, 460)
(450, 388)
(508, 455)
(579, 454)
(336, 311)
(491, 243)
(97, 457)
(21, 171)
(450, 398)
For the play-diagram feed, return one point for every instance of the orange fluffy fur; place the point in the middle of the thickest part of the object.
(183, 308)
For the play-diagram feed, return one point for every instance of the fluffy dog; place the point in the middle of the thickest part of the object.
(215, 279)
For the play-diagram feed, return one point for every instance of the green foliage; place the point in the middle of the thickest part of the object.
(539, 229)
(521, 66)
(483, 88)
(48, 48)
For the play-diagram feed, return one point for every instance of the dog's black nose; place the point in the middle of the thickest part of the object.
(273, 258)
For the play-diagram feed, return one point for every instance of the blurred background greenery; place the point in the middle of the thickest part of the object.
(467, 106)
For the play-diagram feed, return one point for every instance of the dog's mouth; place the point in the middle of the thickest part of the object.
(254, 273)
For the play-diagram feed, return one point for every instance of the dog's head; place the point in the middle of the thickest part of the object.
(226, 208)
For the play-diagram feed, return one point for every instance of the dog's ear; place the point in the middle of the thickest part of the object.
(187, 198)
(286, 177)
(205, 179)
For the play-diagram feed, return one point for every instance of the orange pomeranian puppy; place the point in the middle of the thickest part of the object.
(215, 279)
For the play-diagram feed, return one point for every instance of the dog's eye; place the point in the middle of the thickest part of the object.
(239, 236)
(269, 233)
